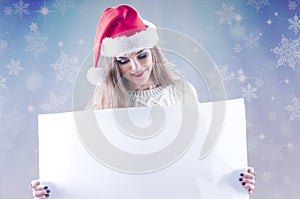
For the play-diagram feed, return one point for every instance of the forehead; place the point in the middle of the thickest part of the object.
(134, 53)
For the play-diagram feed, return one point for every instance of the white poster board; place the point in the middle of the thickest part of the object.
(206, 165)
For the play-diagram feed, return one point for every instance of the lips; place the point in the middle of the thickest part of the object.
(139, 74)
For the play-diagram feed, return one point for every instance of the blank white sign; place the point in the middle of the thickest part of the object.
(77, 159)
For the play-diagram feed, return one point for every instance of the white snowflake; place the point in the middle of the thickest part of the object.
(249, 92)
(63, 5)
(36, 43)
(3, 83)
(21, 9)
(259, 82)
(294, 24)
(294, 109)
(287, 52)
(33, 27)
(272, 116)
(67, 67)
(3, 44)
(227, 14)
(54, 103)
(8, 10)
(14, 67)
(292, 148)
(270, 151)
(34, 81)
(237, 48)
(251, 41)
(223, 71)
(292, 5)
(214, 80)
(258, 4)
(266, 177)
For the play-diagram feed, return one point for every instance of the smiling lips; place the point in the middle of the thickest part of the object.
(139, 74)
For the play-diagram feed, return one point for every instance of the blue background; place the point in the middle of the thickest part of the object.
(255, 44)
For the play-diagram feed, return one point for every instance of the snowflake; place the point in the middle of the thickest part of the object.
(292, 5)
(266, 176)
(259, 82)
(223, 72)
(251, 41)
(14, 67)
(272, 116)
(294, 24)
(3, 83)
(54, 103)
(249, 93)
(237, 48)
(3, 44)
(33, 27)
(21, 9)
(214, 80)
(287, 52)
(67, 67)
(226, 14)
(34, 81)
(258, 4)
(36, 43)
(8, 11)
(271, 152)
(63, 5)
(294, 109)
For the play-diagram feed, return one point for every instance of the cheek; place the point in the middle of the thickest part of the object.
(124, 69)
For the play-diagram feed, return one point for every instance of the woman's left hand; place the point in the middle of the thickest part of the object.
(247, 180)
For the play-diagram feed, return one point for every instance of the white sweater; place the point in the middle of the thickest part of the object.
(171, 95)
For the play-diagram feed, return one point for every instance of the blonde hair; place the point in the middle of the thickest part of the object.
(112, 92)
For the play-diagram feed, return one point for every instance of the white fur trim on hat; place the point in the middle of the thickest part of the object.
(117, 46)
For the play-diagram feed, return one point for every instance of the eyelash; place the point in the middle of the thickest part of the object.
(140, 56)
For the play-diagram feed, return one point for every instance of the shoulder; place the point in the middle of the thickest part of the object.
(185, 91)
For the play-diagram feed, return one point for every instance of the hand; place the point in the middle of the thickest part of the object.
(247, 180)
(39, 191)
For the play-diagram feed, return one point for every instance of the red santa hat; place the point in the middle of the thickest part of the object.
(122, 31)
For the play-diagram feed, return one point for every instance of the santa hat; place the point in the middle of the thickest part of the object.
(122, 31)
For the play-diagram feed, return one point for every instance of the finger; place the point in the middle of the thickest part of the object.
(41, 193)
(35, 183)
(247, 180)
(247, 175)
(40, 187)
(248, 186)
(251, 170)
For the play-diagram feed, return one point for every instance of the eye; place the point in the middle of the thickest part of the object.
(122, 61)
(142, 55)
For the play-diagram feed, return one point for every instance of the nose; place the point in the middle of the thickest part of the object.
(135, 64)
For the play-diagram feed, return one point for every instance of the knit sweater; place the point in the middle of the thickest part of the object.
(171, 95)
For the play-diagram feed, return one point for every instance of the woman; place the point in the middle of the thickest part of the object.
(136, 73)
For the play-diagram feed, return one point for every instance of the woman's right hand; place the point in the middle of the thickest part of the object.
(39, 191)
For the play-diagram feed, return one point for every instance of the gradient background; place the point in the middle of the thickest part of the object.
(255, 44)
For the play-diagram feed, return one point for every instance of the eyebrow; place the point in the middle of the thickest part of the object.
(126, 57)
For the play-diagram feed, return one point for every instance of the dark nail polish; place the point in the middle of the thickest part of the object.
(47, 195)
(45, 187)
(48, 191)
(240, 179)
(244, 183)
(249, 190)
(241, 174)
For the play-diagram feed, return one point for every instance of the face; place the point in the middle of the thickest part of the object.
(136, 68)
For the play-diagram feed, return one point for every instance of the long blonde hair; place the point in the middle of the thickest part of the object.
(112, 92)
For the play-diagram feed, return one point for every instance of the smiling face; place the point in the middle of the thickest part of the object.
(137, 68)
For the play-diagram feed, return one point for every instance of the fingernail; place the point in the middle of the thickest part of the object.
(249, 190)
(48, 191)
(243, 183)
(47, 195)
(45, 187)
(240, 179)
(241, 174)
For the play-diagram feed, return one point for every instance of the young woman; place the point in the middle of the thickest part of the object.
(136, 73)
